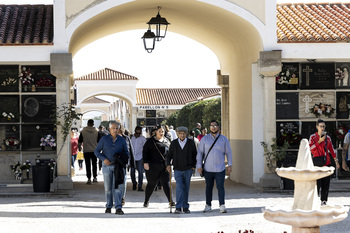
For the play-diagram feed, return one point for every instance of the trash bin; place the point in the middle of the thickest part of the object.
(41, 178)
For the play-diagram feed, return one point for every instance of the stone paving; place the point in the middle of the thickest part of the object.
(82, 210)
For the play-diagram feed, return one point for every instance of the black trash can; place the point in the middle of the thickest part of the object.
(41, 178)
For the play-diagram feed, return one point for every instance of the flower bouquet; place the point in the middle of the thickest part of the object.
(11, 143)
(340, 133)
(325, 109)
(9, 116)
(45, 82)
(16, 169)
(26, 76)
(9, 82)
(47, 140)
(26, 166)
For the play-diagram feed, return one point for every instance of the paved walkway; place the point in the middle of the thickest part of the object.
(82, 210)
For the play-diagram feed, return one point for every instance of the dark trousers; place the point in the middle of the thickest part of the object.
(140, 170)
(90, 159)
(323, 184)
(219, 178)
(157, 172)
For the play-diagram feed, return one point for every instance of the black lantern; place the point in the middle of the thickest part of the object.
(149, 40)
(160, 25)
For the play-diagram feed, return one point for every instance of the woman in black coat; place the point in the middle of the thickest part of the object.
(155, 152)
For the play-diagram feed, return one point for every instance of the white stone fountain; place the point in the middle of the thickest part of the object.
(306, 215)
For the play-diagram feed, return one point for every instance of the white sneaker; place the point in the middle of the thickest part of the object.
(207, 208)
(223, 209)
(323, 203)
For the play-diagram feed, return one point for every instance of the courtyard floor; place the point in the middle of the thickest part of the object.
(82, 210)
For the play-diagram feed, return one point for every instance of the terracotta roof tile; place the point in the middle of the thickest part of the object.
(106, 74)
(313, 23)
(172, 96)
(26, 25)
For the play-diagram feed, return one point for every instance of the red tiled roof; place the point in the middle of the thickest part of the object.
(313, 23)
(95, 100)
(172, 96)
(106, 74)
(26, 25)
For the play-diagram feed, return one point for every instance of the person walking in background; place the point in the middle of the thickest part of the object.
(80, 158)
(74, 137)
(155, 152)
(321, 145)
(212, 149)
(346, 152)
(182, 155)
(167, 133)
(107, 147)
(192, 136)
(101, 132)
(197, 129)
(204, 132)
(138, 141)
(172, 132)
(88, 138)
(131, 160)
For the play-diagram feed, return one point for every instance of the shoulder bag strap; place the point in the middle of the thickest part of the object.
(205, 159)
(158, 150)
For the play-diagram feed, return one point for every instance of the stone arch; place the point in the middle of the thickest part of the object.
(232, 32)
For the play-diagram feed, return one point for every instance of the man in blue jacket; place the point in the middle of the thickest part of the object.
(106, 148)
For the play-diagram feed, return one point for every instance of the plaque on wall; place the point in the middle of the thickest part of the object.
(343, 105)
(288, 131)
(140, 121)
(160, 120)
(9, 108)
(317, 105)
(318, 76)
(287, 105)
(290, 160)
(288, 78)
(342, 75)
(33, 133)
(38, 108)
(309, 128)
(9, 81)
(151, 121)
(151, 113)
(43, 80)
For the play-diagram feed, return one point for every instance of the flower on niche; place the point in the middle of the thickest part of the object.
(26, 76)
(9, 116)
(325, 109)
(11, 141)
(340, 133)
(48, 140)
(44, 82)
(9, 82)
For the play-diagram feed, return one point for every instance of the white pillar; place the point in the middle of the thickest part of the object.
(61, 68)
(223, 82)
(269, 65)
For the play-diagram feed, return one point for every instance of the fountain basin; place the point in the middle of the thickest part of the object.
(306, 218)
(314, 173)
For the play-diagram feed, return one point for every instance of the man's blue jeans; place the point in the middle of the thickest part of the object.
(110, 192)
(140, 170)
(183, 180)
(219, 178)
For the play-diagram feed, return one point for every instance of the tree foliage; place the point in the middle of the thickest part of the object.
(201, 111)
(171, 120)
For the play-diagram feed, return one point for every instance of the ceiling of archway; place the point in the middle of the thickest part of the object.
(218, 29)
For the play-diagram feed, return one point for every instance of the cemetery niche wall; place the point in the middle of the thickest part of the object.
(27, 132)
(306, 92)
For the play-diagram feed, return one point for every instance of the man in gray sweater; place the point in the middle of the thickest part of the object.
(88, 137)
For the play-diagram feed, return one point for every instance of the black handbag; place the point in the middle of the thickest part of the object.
(205, 159)
(320, 161)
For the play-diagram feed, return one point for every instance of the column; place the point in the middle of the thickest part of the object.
(223, 82)
(61, 68)
(269, 66)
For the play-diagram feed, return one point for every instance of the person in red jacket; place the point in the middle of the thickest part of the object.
(317, 144)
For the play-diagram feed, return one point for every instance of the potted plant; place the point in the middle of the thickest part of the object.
(274, 154)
